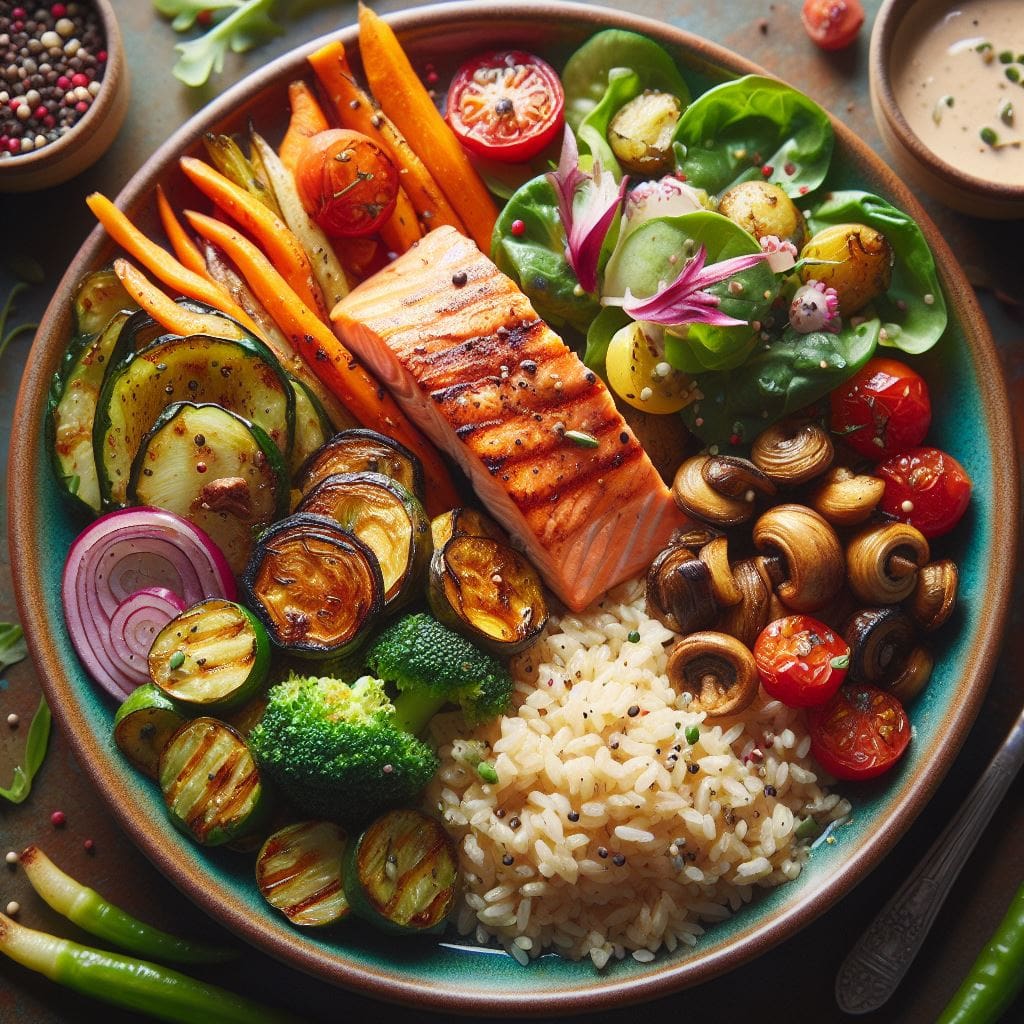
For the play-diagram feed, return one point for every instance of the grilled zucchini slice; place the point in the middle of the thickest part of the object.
(402, 873)
(143, 726)
(240, 375)
(210, 783)
(316, 587)
(463, 522)
(312, 425)
(387, 518)
(298, 871)
(487, 591)
(212, 657)
(216, 470)
(98, 297)
(363, 451)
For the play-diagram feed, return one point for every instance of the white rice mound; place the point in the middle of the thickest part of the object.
(681, 847)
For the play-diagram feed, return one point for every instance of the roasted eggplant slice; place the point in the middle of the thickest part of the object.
(387, 518)
(489, 592)
(359, 451)
(316, 587)
(211, 784)
(214, 469)
(299, 872)
(143, 726)
(402, 872)
(212, 657)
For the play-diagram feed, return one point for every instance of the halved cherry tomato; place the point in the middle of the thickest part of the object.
(348, 184)
(926, 488)
(506, 105)
(860, 733)
(882, 409)
(833, 24)
(800, 660)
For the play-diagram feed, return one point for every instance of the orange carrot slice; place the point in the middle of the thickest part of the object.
(306, 120)
(184, 248)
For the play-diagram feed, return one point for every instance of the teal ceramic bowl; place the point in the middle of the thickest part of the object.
(967, 388)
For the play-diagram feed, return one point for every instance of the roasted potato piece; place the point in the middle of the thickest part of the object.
(863, 264)
(640, 134)
(764, 209)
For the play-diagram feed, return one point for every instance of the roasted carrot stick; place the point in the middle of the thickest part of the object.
(184, 248)
(404, 98)
(357, 110)
(168, 313)
(281, 246)
(161, 263)
(332, 362)
(402, 228)
(307, 119)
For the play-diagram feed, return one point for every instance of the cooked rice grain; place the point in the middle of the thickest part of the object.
(596, 840)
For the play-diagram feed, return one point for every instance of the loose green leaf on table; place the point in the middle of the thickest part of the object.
(12, 645)
(6, 337)
(35, 752)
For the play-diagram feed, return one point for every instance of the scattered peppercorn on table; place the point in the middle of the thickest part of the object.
(66, 817)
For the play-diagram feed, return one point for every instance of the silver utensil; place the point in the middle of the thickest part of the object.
(875, 966)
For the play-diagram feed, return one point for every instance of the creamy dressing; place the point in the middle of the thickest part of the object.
(958, 77)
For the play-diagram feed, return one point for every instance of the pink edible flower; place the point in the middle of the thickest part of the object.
(815, 307)
(586, 222)
(684, 301)
(781, 254)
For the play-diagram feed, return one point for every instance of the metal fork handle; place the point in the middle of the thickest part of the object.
(877, 963)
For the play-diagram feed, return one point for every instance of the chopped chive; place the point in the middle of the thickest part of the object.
(486, 772)
(72, 483)
(1006, 57)
(807, 828)
(581, 438)
(633, 637)
(988, 136)
(176, 661)
(692, 734)
(842, 661)
(943, 102)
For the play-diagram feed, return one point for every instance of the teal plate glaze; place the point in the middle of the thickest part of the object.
(443, 973)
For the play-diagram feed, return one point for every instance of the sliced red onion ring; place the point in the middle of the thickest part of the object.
(120, 554)
(135, 624)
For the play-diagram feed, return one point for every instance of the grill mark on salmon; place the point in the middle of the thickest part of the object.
(497, 389)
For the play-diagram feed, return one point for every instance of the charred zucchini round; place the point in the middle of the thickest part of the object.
(489, 592)
(214, 656)
(98, 297)
(216, 470)
(143, 726)
(299, 872)
(211, 784)
(387, 518)
(402, 872)
(363, 451)
(312, 425)
(463, 522)
(316, 587)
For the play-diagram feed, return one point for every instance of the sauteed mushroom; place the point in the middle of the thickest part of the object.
(736, 478)
(715, 555)
(792, 453)
(679, 590)
(694, 538)
(717, 669)
(915, 675)
(882, 562)
(846, 498)
(802, 556)
(751, 614)
(881, 641)
(696, 497)
(934, 596)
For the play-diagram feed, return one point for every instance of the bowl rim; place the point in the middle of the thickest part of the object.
(662, 978)
(887, 23)
(91, 120)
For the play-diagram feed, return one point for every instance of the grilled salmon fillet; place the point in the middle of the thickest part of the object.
(536, 432)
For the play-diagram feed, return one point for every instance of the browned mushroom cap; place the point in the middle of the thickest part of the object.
(736, 478)
(696, 497)
(881, 641)
(792, 453)
(679, 591)
(882, 562)
(914, 677)
(934, 596)
(746, 619)
(803, 556)
(694, 538)
(717, 670)
(846, 498)
(715, 555)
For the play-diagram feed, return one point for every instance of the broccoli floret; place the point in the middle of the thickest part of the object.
(336, 750)
(432, 665)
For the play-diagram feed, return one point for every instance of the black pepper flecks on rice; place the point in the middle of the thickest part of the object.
(52, 59)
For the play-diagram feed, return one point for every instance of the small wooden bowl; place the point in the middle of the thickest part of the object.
(90, 138)
(911, 157)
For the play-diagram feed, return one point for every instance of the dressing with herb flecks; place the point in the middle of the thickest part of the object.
(959, 82)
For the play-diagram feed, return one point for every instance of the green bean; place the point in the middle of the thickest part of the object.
(91, 912)
(158, 992)
(996, 976)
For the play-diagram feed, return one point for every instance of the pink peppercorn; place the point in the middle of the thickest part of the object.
(81, 106)
(58, 10)
(14, 145)
(40, 112)
(432, 78)
(79, 79)
(50, 121)
(767, 171)
(63, 82)
(18, 12)
(89, 845)
(518, 228)
(102, 56)
(58, 818)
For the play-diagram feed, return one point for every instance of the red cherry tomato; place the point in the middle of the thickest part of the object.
(882, 409)
(833, 24)
(860, 733)
(800, 660)
(506, 105)
(926, 488)
(348, 184)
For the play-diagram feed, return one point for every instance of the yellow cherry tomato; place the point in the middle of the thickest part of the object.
(638, 374)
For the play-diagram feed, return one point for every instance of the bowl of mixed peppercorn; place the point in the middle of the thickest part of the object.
(63, 89)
